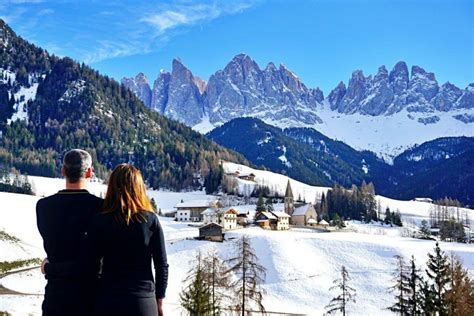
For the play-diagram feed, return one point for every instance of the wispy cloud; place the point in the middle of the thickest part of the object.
(190, 14)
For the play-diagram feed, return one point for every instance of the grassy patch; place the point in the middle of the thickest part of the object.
(6, 266)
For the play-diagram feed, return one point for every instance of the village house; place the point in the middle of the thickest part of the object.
(273, 220)
(242, 175)
(225, 217)
(212, 232)
(228, 218)
(191, 210)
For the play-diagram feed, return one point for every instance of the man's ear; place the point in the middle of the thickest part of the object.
(89, 173)
(63, 173)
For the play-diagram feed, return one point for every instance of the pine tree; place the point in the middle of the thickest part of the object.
(345, 296)
(249, 276)
(401, 288)
(269, 205)
(196, 295)
(438, 271)
(388, 216)
(427, 297)
(260, 205)
(425, 232)
(217, 279)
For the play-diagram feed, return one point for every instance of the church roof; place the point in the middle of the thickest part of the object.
(289, 192)
(302, 209)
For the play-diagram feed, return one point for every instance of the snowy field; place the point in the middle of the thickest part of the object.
(300, 264)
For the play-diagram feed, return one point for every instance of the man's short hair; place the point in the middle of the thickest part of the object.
(76, 162)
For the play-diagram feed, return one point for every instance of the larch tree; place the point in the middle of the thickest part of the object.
(217, 279)
(249, 275)
(460, 297)
(346, 294)
(401, 288)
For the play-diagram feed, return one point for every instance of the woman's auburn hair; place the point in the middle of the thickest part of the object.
(126, 193)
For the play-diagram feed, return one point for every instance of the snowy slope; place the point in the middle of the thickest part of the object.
(300, 265)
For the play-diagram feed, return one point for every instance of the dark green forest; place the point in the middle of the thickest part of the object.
(76, 107)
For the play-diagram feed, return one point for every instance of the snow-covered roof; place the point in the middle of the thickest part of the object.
(268, 215)
(321, 222)
(211, 224)
(209, 211)
(196, 203)
(312, 221)
(301, 210)
(281, 214)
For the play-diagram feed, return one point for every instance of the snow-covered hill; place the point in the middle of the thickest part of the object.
(300, 264)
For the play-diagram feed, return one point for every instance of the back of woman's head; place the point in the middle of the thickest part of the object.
(126, 193)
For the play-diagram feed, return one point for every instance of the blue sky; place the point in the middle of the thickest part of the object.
(321, 41)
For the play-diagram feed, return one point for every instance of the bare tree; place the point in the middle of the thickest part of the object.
(346, 294)
(249, 276)
(401, 288)
(215, 276)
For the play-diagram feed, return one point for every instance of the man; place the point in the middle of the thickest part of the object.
(62, 221)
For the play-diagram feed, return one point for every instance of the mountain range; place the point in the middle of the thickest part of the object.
(392, 100)
(439, 168)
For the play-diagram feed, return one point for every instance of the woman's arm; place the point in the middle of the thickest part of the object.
(157, 244)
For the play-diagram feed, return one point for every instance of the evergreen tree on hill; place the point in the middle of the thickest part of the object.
(438, 271)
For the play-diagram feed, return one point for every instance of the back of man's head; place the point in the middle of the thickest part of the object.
(76, 163)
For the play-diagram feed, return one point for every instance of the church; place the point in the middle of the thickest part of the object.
(302, 214)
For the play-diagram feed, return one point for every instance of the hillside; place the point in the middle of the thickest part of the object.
(435, 169)
(50, 105)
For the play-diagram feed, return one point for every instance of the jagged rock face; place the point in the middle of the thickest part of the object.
(139, 85)
(466, 101)
(243, 89)
(336, 95)
(160, 92)
(447, 96)
(398, 78)
(275, 94)
(379, 95)
(184, 98)
(389, 93)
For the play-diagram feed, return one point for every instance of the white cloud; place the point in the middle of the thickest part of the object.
(170, 17)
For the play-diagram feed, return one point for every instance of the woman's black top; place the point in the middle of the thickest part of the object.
(127, 252)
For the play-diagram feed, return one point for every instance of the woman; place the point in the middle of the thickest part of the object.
(126, 237)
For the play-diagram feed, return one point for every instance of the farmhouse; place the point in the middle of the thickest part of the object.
(228, 218)
(211, 231)
(195, 208)
(273, 220)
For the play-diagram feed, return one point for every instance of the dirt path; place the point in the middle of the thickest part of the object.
(6, 291)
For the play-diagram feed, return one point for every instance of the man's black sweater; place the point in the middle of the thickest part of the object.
(62, 220)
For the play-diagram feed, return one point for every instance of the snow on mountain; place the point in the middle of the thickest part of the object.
(22, 94)
(386, 113)
(300, 265)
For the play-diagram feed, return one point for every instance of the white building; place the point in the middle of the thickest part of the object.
(195, 208)
(228, 219)
(183, 215)
(283, 220)
(210, 215)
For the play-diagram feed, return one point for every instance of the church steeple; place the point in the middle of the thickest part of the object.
(289, 202)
